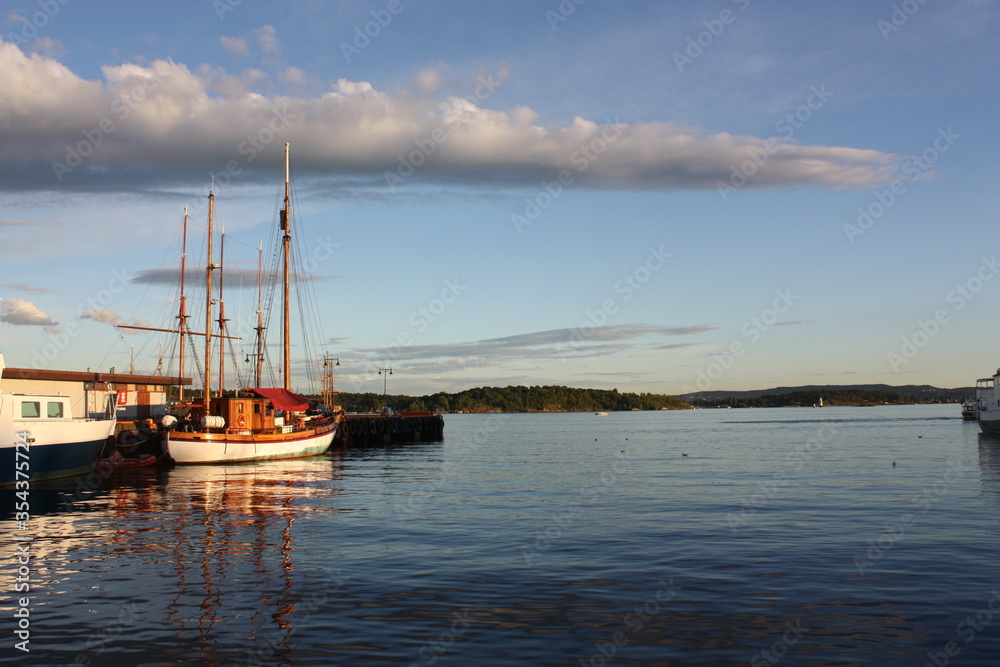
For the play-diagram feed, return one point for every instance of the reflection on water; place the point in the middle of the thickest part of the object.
(544, 539)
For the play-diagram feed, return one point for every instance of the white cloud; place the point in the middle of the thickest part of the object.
(105, 316)
(102, 315)
(163, 123)
(236, 45)
(267, 37)
(22, 312)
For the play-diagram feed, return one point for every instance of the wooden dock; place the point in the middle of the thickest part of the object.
(366, 430)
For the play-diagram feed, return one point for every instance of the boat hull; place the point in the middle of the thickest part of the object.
(60, 448)
(991, 426)
(186, 448)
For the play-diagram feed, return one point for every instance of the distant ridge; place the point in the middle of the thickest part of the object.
(923, 392)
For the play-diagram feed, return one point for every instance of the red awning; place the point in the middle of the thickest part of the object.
(283, 399)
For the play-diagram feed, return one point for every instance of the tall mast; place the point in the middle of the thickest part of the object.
(260, 314)
(222, 311)
(208, 306)
(182, 315)
(286, 249)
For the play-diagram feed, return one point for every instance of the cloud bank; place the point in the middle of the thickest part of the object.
(162, 124)
(538, 345)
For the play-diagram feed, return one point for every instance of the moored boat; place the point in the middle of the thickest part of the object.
(988, 400)
(274, 423)
(40, 438)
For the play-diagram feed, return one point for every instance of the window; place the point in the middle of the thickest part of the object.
(29, 409)
(55, 410)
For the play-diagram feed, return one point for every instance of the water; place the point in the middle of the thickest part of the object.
(785, 536)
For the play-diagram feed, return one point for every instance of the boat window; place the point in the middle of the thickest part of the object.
(55, 410)
(29, 409)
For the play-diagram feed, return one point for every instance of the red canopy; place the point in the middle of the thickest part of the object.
(283, 399)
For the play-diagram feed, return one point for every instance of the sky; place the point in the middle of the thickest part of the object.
(650, 196)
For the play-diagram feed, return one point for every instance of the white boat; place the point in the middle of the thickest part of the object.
(970, 409)
(41, 439)
(988, 403)
(229, 429)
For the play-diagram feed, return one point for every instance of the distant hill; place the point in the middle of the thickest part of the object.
(923, 393)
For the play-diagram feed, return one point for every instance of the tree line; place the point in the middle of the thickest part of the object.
(807, 398)
(514, 399)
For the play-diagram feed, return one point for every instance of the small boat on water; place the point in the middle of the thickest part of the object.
(970, 409)
(41, 439)
(601, 414)
(121, 463)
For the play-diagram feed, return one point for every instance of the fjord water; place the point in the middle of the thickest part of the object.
(710, 537)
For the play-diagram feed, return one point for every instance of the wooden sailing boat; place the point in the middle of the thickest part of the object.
(249, 428)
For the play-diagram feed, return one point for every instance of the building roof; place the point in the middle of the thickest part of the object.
(80, 376)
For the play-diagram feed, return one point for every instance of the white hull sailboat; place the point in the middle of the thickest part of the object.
(273, 423)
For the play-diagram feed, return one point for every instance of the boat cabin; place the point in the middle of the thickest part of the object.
(245, 413)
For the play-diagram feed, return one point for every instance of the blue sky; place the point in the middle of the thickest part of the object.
(651, 196)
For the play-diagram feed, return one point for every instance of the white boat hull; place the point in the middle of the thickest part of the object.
(54, 447)
(187, 448)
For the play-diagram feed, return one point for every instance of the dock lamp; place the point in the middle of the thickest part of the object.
(385, 378)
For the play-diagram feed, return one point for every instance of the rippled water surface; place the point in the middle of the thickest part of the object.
(709, 537)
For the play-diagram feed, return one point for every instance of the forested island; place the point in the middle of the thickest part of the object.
(831, 397)
(514, 399)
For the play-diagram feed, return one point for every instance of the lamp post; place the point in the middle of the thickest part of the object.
(385, 379)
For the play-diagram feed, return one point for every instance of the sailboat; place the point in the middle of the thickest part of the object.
(273, 422)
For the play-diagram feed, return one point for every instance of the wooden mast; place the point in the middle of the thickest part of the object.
(286, 249)
(260, 314)
(208, 306)
(182, 315)
(222, 311)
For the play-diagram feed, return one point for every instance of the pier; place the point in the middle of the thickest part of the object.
(365, 430)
